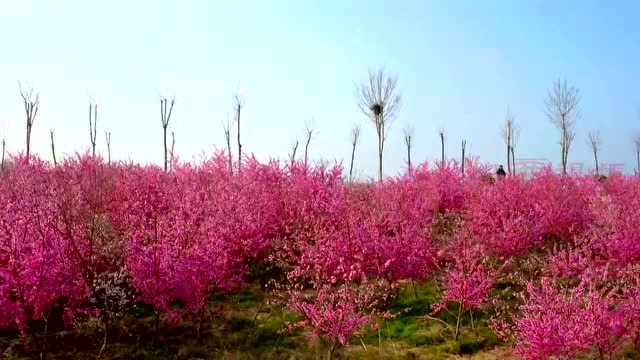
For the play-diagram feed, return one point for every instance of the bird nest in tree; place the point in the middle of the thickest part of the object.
(376, 109)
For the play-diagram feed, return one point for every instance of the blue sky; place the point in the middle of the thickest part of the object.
(460, 64)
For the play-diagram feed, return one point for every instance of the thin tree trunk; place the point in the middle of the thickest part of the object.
(3, 152)
(239, 144)
(156, 325)
(229, 153)
(595, 156)
(409, 158)
(53, 150)
(508, 159)
(105, 328)
(380, 162)
(306, 150)
(464, 147)
(353, 154)
(637, 156)
(165, 149)
(28, 141)
(442, 146)
(43, 350)
(513, 160)
(458, 322)
(108, 138)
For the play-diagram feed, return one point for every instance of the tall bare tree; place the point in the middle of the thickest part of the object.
(238, 101)
(93, 126)
(510, 133)
(408, 141)
(594, 143)
(53, 149)
(227, 135)
(309, 132)
(464, 148)
(166, 117)
(636, 143)
(107, 135)
(31, 102)
(441, 133)
(379, 100)
(562, 110)
(355, 136)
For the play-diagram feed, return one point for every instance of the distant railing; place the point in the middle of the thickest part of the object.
(530, 166)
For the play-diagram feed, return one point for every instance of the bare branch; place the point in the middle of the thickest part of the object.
(309, 133)
(379, 100)
(165, 117)
(293, 151)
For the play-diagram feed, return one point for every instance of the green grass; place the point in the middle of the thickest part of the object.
(245, 325)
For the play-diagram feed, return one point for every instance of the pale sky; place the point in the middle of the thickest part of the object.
(459, 63)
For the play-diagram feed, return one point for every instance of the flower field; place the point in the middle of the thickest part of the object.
(280, 260)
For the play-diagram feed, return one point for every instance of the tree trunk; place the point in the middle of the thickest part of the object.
(239, 144)
(464, 145)
(513, 161)
(306, 150)
(28, 141)
(105, 325)
(595, 156)
(442, 146)
(353, 154)
(53, 150)
(165, 148)
(508, 158)
(3, 152)
(409, 158)
(380, 160)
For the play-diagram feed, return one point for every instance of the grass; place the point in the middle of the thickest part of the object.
(245, 325)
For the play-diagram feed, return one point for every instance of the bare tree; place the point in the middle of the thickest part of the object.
(238, 104)
(107, 135)
(93, 127)
(441, 133)
(408, 141)
(293, 151)
(513, 160)
(636, 142)
(166, 117)
(355, 136)
(4, 144)
(562, 110)
(594, 142)
(309, 132)
(53, 149)
(31, 103)
(379, 100)
(464, 148)
(227, 135)
(510, 133)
